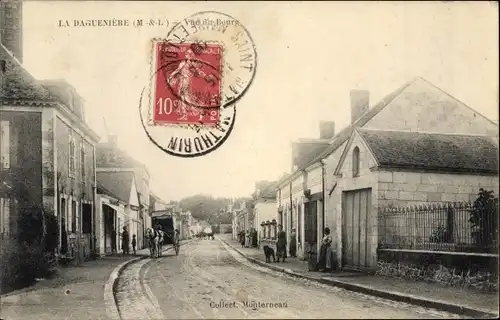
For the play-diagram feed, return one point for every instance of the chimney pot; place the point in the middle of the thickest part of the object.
(360, 103)
(326, 130)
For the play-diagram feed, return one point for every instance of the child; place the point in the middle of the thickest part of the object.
(134, 242)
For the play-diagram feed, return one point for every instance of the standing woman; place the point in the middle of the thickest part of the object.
(281, 244)
(325, 258)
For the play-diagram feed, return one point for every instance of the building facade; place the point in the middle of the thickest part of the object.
(118, 207)
(47, 149)
(264, 206)
(315, 190)
(110, 158)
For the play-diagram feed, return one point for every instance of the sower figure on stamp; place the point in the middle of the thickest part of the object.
(184, 72)
(281, 244)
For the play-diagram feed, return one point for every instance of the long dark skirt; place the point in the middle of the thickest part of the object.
(281, 250)
(325, 257)
(293, 248)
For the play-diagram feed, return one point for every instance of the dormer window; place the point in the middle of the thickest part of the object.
(355, 162)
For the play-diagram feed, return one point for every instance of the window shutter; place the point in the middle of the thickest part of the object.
(4, 144)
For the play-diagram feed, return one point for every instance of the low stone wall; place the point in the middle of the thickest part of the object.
(469, 271)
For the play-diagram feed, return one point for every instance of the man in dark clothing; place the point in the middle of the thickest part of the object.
(125, 241)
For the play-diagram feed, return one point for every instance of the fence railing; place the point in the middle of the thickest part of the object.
(458, 227)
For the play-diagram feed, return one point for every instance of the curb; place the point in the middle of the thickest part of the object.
(110, 286)
(391, 295)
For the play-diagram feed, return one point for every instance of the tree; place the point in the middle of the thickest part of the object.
(484, 218)
(208, 208)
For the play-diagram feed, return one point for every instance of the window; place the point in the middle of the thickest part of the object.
(73, 216)
(4, 217)
(4, 144)
(83, 164)
(72, 154)
(355, 162)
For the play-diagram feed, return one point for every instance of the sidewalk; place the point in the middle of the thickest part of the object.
(452, 299)
(76, 293)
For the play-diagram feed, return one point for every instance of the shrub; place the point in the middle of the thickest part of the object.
(22, 264)
(484, 218)
(31, 254)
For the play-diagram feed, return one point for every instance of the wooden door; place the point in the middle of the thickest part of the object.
(357, 220)
(310, 224)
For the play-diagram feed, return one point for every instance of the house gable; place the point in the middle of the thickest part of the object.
(366, 158)
(134, 200)
(423, 107)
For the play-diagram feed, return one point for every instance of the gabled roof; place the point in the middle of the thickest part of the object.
(121, 158)
(117, 183)
(346, 133)
(432, 151)
(304, 151)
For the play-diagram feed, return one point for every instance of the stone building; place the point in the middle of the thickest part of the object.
(47, 149)
(264, 205)
(110, 158)
(117, 207)
(312, 195)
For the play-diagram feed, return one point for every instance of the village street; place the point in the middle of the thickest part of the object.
(193, 284)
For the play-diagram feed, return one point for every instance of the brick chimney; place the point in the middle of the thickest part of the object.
(326, 129)
(11, 27)
(360, 103)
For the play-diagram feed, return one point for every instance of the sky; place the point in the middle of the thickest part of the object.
(310, 55)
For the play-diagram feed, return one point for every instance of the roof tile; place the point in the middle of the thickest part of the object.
(433, 151)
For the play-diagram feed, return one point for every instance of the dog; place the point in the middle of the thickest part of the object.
(269, 252)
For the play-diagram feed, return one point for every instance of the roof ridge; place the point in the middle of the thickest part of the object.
(427, 132)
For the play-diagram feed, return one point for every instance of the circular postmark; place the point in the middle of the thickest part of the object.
(206, 63)
(207, 30)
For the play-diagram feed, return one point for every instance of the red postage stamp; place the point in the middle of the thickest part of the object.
(187, 84)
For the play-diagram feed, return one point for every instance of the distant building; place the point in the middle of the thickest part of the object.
(118, 207)
(265, 205)
(111, 159)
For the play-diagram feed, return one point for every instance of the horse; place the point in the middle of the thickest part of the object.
(155, 238)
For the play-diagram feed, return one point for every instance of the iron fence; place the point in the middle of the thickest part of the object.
(456, 227)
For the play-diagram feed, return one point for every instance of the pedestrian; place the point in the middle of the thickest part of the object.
(293, 244)
(134, 243)
(125, 241)
(281, 244)
(242, 239)
(325, 252)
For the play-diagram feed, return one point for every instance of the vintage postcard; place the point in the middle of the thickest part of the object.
(249, 159)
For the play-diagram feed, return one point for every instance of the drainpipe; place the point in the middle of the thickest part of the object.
(323, 178)
(291, 204)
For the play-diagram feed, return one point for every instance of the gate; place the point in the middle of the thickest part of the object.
(357, 220)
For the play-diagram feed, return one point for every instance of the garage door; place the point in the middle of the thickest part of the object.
(357, 238)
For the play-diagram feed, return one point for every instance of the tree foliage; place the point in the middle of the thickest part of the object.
(484, 218)
(209, 208)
